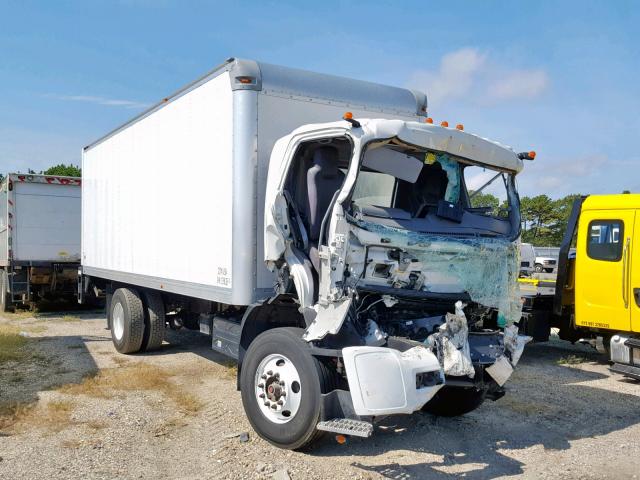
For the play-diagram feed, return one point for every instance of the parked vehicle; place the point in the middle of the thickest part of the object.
(597, 292)
(545, 264)
(527, 259)
(39, 238)
(334, 254)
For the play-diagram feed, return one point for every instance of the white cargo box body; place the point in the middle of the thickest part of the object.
(39, 219)
(174, 199)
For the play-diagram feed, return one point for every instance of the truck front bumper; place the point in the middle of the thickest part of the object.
(384, 381)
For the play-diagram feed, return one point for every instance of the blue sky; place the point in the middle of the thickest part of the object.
(561, 78)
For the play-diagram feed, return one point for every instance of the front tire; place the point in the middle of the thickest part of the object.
(454, 401)
(281, 385)
(127, 320)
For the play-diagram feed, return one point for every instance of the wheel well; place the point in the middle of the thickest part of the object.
(265, 316)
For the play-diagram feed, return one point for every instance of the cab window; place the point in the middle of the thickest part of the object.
(604, 240)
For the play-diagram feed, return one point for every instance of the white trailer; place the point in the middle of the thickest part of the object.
(249, 205)
(39, 237)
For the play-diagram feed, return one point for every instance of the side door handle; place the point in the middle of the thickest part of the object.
(636, 294)
(625, 274)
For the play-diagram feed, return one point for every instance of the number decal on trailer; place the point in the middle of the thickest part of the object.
(223, 277)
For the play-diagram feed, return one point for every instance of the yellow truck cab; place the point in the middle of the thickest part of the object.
(598, 292)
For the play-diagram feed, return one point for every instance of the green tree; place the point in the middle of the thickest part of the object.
(484, 200)
(64, 170)
(538, 214)
(544, 220)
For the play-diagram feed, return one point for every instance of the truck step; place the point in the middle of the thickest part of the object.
(626, 370)
(346, 426)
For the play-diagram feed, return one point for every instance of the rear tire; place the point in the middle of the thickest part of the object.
(127, 320)
(282, 351)
(454, 401)
(154, 321)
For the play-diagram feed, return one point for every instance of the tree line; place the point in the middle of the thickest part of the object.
(544, 220)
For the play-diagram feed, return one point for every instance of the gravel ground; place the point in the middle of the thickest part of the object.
(564, 416)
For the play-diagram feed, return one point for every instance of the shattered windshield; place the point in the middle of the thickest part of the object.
(423, 190)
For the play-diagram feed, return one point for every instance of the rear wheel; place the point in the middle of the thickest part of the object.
(127, 320)
(154, 321)
(454, 401)
(281, 383)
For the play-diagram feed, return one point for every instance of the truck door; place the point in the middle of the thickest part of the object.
(634, 276)
(602, 261)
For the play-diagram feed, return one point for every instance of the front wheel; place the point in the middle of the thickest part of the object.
(281, 384)
(455, 401)
(539, 268)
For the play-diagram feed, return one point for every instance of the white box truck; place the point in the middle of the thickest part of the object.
(39, 237)
(320, 230)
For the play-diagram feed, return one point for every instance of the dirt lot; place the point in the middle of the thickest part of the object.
(74, 408)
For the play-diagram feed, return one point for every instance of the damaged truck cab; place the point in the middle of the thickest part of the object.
(407, 286)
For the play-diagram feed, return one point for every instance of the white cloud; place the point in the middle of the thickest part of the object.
(110, 102)
(471, 74)
(519, 84)
(455, 76)
(560, 177)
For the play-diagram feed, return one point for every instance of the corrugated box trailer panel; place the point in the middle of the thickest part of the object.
(174, 199)
(157, 195)
(46, 222)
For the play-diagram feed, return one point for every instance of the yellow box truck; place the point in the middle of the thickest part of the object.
(597, 294)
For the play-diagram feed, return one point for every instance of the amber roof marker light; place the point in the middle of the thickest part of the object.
(348, 116)
(527, 155)
(428, 120)
(245, 80)
(459, 127)
(444, 123)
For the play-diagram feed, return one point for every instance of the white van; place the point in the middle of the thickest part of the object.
(527, 259)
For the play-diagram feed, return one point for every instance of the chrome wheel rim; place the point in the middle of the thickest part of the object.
(117, 320)
(277, 388)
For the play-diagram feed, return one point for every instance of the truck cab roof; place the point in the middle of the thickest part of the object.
(612, 202)
(434, 137)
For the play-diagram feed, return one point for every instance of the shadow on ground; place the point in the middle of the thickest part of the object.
(476, 445)
(48, 363)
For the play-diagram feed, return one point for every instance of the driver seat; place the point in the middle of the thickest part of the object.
(324, 179)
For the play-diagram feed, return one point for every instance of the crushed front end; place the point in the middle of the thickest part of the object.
(416, 285)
